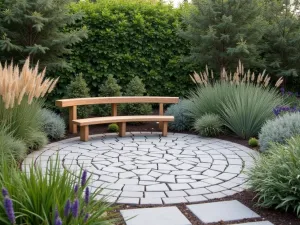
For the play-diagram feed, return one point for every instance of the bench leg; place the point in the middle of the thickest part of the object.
(122, 128)
(84, 133)
(165, 129)
(72, 116)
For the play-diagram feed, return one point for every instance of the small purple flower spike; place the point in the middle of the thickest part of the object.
(87, 195)
(58, 221)
(83, 178)
(67, 208)
(75, 208)
(9, 209)
(4, 192)
(56, 214)
(76, 188)
(86, 217)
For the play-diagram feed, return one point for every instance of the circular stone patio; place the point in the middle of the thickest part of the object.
(145, 168)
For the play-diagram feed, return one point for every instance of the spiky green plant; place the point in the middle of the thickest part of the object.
(275, 177)
(38, 195)
(243, 108)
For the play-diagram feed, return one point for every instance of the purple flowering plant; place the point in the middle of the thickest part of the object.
(292, 100)
(54, 198)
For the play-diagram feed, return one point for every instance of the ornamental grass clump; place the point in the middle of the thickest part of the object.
(16, 84)
(275, 177)
(21, 93)
(53, 196)
(238, 77)
(243, 108)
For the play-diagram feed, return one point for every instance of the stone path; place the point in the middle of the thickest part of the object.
(207, 213)
(145, 168)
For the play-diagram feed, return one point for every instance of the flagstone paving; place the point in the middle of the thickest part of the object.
(155, 216)
(222, 211)
(145, 168)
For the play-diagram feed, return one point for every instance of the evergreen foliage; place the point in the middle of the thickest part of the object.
(281, 41)
(136, 87)
(129, 38)
(78, 89)
(37, 28)
(221, 32)
(110, 88)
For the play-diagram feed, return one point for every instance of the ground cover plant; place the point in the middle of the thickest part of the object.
(52, 197)
(275, 177)
(21, 94)
(279, 130)
(209, 125)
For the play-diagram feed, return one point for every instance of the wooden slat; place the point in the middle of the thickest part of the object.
(120, 119)
(117, 100)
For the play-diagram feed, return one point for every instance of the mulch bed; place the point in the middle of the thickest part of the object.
(246, 197)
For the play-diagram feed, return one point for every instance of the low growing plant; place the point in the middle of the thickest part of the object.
(279, 130)
(53, 125)
(181, 121)
(53, 197)
(253, 142)
(275, 177)
(113, 127)
(209, 125)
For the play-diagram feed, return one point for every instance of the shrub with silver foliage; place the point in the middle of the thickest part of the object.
(279, 129)
(53, 125)
(181, 120)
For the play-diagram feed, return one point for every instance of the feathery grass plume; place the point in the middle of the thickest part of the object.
(240, 76)
(15, 84)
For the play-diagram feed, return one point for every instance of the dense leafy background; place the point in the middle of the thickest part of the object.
(128, 39)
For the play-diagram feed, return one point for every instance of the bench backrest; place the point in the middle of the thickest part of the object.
(116, 100)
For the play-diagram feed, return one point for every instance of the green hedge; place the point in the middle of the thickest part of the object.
(129, 38)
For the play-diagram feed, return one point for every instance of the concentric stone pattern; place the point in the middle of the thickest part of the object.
(145, 168)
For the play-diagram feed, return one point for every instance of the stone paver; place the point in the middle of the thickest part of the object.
(155, 216)
(255, 223)
(144, 165)
(226, 211)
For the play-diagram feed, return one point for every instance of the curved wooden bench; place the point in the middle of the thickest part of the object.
(84, 123)
(114, 101)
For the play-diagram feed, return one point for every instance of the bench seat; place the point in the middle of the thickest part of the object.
(121, 120)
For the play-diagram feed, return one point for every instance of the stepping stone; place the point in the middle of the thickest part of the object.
(225, 211)
(155, 216)
(255, 223)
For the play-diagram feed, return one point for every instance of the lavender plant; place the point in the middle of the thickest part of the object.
(53, 197)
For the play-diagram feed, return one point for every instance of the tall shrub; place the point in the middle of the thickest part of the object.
(136, 88)
(21, 92)
(129, 38)
(223, 31)
(78, 88)
(37, 28)
(109, 88)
